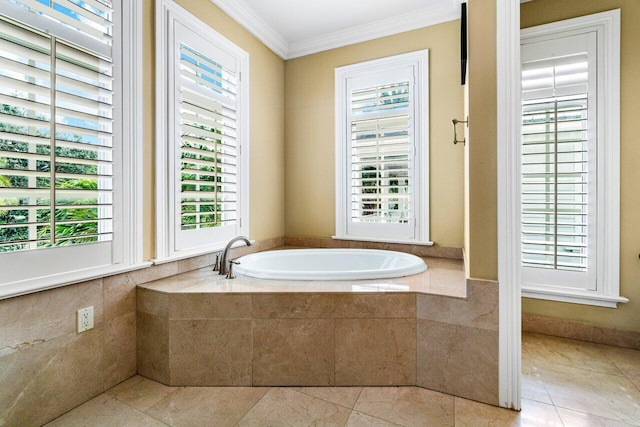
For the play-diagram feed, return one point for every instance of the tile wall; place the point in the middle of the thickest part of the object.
(47, 369)
(441, 343)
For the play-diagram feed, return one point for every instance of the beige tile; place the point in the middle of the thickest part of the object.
(603, 395)
(375, 305)
(119, 295)
(478, 310)
(358, 419)
(407, 406)
(152, 302)
(105, 411)
(625, 359)
(43, 316)
(375, 351)
(197, 262)
(153, 347)
(154, 272)
(43, 382)
(209, 306)
(550, 351)
(287, 407)
(206, 406)
(210, 352)
(532, 384)
(293, 352)
(575, 418)
(617, 337)
(472, 414)
(458, 360)
(119, 362)
(140, 393)
(343, 396)
(293, 306)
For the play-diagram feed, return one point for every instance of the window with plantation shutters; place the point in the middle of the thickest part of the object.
(208, 146)
(206, 129)
(382, 150)
(56, 129)
(565, 166)
(60, 138)
(558, 159)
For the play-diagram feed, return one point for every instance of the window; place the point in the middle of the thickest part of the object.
(570, 158)
(382, 150)
(203, 137)
(66, 208)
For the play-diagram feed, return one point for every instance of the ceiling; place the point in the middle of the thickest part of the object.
(293, 28)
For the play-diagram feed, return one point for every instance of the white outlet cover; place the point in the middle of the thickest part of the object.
(85, 319)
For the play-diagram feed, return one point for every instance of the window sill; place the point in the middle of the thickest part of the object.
(399, 241)
(190, 253)
(16, 289)
(575, 297)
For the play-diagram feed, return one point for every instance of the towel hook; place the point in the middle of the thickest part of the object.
(455, 135)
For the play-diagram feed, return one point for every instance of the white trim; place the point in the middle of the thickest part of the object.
(572, 296)
(419, 62)
(196, 252)
(509, 109)
(365, 239)
(17, 289)
(607, 292)
(132, 109)
(373, 30)
(168, 13)
(246, 16)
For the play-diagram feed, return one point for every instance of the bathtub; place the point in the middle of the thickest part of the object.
(329, 264)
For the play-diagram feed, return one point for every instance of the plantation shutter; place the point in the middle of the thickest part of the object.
(56, 125)
(207, 185)
(558, 162)
(381, 149)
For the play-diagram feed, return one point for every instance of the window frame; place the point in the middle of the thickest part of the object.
(168, 246)
(419, 62)
(126, 252)
(607, 27)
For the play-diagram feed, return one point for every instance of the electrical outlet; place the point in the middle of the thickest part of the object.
(85, 319)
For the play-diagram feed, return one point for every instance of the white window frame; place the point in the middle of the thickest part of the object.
(607, 289)
(59, 266)
(419, 62)
(169, 246)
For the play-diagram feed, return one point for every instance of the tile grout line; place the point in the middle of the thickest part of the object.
(253, 406)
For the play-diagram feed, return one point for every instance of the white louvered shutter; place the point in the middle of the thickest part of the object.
(381, 149)
(56, 124)
(559, 162)
(207, 183)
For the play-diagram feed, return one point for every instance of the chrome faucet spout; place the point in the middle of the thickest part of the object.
(224, 261)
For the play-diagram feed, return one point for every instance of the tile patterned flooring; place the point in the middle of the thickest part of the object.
(565, 383)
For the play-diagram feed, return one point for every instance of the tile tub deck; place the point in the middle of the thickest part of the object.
(435, 330)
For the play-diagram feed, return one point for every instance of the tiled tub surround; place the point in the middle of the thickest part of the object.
(47, 369)
(433, 330)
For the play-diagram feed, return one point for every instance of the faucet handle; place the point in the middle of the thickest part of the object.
(216, 265)
(230, 274)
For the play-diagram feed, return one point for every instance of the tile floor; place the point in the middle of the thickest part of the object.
(565, 383)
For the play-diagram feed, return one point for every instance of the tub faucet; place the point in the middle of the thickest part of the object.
(224, 263)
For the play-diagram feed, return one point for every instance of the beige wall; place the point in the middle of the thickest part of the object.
(627, 316)
(481, 238)
(309, 131)
(266, 128)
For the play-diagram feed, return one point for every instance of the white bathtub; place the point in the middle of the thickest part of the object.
(329, 264)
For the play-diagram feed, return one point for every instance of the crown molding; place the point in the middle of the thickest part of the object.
(376, 29)
(246, 16)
